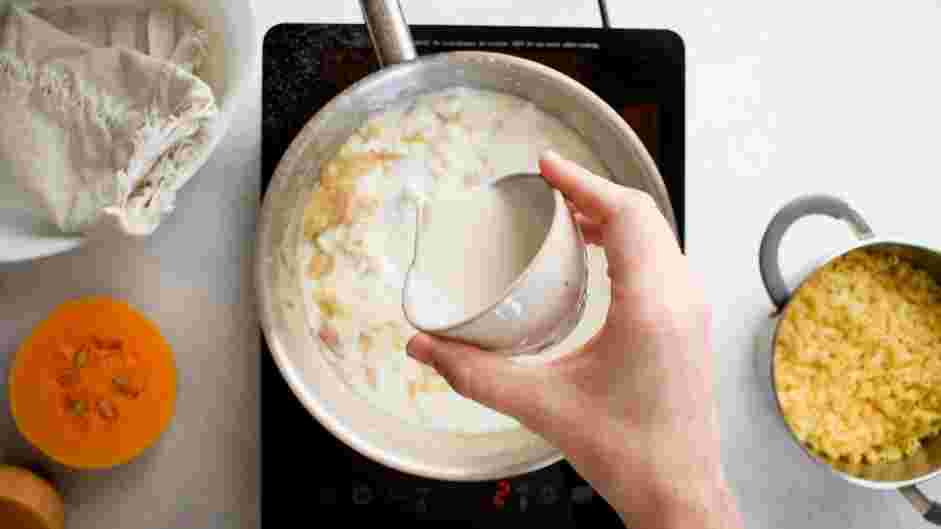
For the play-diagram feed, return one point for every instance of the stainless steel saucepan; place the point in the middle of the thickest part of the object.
(296, 349)
(903, 475)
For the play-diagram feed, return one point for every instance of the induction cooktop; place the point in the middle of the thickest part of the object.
(640, 73)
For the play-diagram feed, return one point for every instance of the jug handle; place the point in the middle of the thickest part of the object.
(388, 31)
(768, 261)
(929, 510)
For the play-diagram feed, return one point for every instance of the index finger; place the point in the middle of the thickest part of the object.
(593, 195)
(625, 221)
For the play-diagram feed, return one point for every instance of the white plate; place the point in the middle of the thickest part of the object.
(24, 234)
(233, 61)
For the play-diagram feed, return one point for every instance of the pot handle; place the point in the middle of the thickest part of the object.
(768, 262)
(929, 510)
(388, 31)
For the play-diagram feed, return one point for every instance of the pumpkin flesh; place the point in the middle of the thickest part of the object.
(94, 385)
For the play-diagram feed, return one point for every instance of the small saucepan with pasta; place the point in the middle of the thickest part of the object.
(856, 355)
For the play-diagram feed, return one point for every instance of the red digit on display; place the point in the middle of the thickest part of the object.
(503, 490)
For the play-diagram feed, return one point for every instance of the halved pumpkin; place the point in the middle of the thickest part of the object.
(94, 385)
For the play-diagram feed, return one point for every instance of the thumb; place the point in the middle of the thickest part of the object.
(492, 380)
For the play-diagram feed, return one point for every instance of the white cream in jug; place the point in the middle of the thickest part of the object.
(359, 233)
(472, 246)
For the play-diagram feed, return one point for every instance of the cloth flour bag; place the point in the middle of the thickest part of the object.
(96, 128)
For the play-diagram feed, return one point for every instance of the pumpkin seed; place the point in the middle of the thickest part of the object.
(68, 377)
(81, 358)
(77, 407)
(108, 343)
(68, 353)
(107, 409)
(124, 386)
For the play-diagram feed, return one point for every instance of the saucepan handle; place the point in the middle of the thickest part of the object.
(388, 31)
(793, 211)
(930, 510)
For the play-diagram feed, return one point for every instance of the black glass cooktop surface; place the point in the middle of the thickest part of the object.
(305, 469)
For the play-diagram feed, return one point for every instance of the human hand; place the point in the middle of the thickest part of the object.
(633, 408)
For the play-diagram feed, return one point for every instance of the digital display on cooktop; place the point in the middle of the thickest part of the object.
(640, 73)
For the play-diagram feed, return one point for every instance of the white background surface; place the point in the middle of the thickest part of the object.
(784, 99)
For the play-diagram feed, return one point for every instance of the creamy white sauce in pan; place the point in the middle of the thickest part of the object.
(360, 228)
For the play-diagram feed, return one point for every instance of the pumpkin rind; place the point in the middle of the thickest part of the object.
(26, 500)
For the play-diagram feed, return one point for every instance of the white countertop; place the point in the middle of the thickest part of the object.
(784, 99)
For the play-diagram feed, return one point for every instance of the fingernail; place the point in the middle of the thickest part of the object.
(419, 348)
(551, 156)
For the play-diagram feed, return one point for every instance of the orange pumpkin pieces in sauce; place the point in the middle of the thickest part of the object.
(94, 385)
